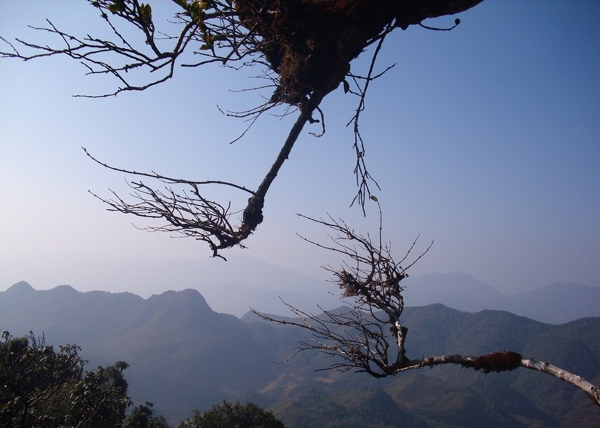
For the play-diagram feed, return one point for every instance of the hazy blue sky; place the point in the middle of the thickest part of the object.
(485, 138)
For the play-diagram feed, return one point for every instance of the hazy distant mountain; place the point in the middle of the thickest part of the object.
(230, 287)
(243, 281)
(455, 290)
(237, 299)
(556, 303)
(262, 285)
(183, 355)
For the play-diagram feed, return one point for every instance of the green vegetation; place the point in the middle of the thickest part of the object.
(236, 415)
(184, 356)
(44, 388)
(143, 416)
(353, 408)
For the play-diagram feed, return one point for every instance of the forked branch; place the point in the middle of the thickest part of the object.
(368, 335)
(306, 48)
(190, 214)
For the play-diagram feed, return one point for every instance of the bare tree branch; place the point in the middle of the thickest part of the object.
(368, 335)
(190, 214)
(167, 180)
(306, 48)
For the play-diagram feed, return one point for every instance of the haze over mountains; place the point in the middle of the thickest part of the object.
(233, 287)
(183, 356)
(260, 285)
(554, 303)
(187, 352)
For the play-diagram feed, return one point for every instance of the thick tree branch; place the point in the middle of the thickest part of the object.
(306, 46)
(591, 390)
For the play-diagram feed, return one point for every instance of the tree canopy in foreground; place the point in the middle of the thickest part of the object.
(42, 387)
(228, 415)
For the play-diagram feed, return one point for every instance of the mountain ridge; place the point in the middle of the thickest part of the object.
(183, 355)
(262, 286)
(554, 303)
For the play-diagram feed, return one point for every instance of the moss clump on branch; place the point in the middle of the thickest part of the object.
(496, 362)
(310, 43)
(307, 45)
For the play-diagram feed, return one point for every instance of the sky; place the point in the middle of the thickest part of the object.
(484, 139)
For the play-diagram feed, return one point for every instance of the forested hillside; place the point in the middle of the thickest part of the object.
(184, 356)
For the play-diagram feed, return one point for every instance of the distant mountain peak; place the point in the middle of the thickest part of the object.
(65, 289)
(555, 303)
(20, 288)
(188, 298)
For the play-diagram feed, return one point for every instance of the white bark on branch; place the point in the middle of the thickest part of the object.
(368, 336)
(542, 366)
(506, 361)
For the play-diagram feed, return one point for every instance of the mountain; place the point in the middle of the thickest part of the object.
(352, 408)
(555, 303)
(265, 300)
(450, 396)
(262, 286)
(455, 290)
(244, 282)
(183, 356)
(253, 282)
